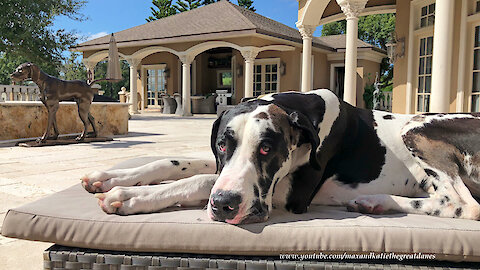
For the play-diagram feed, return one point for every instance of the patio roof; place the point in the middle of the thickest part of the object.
(338, 42)
(218, 18)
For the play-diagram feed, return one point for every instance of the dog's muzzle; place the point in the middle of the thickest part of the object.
(228, 207)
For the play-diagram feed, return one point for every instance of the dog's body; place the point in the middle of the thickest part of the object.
(54, 90)
(369, 161)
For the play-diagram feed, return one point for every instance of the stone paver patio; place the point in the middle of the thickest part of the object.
(28, 174)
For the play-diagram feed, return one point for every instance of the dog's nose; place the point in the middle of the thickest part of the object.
(225, 204)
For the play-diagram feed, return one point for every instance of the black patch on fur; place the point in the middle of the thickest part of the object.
(388, 117)
(436, 212)
(350, 164)
(175, 162)
(435, 187)
(183, 169)
(447, 198)
(431, 173)
(417, 204)
(458, 212)
(423, 184)
(255, 191)
(442, 201)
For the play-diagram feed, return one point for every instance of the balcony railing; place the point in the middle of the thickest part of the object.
(19, 93)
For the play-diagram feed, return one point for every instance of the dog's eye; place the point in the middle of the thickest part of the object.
(222, 147)
(264, 149)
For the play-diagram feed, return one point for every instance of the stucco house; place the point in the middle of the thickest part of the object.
(222, 46)
(437, 52)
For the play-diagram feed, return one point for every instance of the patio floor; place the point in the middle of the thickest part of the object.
(28, 174)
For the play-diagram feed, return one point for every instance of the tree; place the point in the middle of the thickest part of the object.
(26, 33)
(112, 89)
(186, 5)
(162, 9)
(73, 69)
(248, 4)
(375, 30)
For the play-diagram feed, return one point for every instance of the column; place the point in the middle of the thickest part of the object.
(249, 56)
(90, 70)
(307, 33)
(133, 84)
(442, 56)
(351, 9)
(186, 84)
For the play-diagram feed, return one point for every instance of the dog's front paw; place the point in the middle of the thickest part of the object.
(122, 201)
(369, 204)
(103, 181)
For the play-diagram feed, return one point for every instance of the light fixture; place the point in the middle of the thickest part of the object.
(395, 48)
(283, 68)
(239, 70)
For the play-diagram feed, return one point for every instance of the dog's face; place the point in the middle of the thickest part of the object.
(22, 72)
(253, 145)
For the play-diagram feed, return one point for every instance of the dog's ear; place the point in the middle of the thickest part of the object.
(213, 138)
(309, 133)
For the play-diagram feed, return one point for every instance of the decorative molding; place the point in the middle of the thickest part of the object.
(352, 8)
(249, 54)
(186, 59)
(306, 30)
(133, 62)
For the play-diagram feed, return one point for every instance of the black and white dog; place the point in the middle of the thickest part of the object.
(291, 150)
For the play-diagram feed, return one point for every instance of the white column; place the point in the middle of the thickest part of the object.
(133, 84)
(351, 9)
(307, 33)
(90, 65)
(442, 56)
(186, 84)
(249, 56)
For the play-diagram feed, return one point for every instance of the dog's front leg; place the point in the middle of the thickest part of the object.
(190, 191)
(52, 108)
(151, 173)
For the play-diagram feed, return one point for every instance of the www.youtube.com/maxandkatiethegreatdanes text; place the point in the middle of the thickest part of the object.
(358, 256)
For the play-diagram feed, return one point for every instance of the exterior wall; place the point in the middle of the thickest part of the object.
(171, 62)
(29, 119)
(401, 64)
(321, 71)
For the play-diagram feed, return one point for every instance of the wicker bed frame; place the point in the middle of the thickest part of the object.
(59, 258)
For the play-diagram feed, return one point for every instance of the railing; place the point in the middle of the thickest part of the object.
(386, 102)
(19, 93)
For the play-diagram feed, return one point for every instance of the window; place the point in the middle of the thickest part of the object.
(427, 17)
(424, 76)
(265, 77)
(156, 84)
(477, 6)
(475, 105)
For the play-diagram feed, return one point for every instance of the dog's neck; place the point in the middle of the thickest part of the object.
(38, 76)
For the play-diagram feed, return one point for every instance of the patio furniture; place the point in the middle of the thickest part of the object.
(203, 104)
(178, 100)
(169, 104)
(187, 239)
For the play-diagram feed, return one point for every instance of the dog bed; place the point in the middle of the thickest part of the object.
(72, 218)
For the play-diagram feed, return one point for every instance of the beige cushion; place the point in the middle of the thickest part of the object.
(73, 218)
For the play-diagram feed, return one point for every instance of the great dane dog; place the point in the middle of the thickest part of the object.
(294, 149)
(53, 91)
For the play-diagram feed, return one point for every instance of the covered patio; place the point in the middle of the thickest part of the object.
(188, 53)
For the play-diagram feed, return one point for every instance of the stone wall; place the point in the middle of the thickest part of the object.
(29, 119)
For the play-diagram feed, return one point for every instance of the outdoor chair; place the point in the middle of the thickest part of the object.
(169, 104)
(184, 238)
(203, 104)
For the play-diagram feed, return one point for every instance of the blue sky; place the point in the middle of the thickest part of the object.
(109, 16)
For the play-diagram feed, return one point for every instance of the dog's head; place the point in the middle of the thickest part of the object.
(23, 72)
(253, 145)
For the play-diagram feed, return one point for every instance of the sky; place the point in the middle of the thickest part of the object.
(110, 16)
